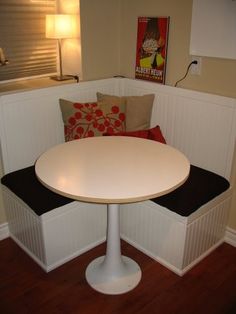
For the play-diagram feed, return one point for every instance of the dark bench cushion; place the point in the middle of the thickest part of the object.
(26, 186)
(200, 187)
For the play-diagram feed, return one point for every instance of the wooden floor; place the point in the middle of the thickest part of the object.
(210, 287)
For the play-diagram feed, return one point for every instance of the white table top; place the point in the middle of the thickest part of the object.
(112, 169)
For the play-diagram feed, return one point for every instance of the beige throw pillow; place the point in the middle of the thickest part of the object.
(111, 100)
(138, 112)
(138, 109)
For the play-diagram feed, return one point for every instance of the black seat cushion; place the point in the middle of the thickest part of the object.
(26, 186)
(200, 187)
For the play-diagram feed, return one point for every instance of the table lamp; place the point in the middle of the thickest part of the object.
(61, 26)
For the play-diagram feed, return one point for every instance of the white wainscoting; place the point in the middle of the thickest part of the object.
(31, 122)
(201, 125)
(57, 236)
(175, 241)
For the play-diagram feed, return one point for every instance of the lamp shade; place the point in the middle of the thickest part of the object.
(59, 26)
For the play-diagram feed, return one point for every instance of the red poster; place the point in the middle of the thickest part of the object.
(151, 55)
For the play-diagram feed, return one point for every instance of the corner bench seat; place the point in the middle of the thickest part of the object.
(200, 187)
(27, 187)
(178, 242)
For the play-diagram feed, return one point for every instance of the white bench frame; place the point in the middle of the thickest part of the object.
(200, 125)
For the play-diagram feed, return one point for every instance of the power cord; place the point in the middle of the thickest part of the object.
(193, 62)
(76, 77)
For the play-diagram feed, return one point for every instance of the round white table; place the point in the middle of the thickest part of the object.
(112, 170)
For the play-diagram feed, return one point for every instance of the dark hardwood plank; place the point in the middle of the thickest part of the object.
(210, 287)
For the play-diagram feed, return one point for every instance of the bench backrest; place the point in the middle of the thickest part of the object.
(201, 125)
(30, 122)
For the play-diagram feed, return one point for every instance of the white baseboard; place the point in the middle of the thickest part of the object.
(4, 231)
(230, 236)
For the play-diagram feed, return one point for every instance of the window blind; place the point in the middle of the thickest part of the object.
(22, 38)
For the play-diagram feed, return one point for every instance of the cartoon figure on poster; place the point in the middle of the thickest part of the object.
(151, 49)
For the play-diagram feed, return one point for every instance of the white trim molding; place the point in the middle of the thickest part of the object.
(230, 236)
(4, 231)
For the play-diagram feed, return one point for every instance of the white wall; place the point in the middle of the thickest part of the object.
(100, 38)
(213, 31)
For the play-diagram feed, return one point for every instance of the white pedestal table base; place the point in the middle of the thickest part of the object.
(126, 279)
(113, 273)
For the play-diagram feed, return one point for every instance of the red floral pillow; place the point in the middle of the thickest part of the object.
(154, 134)
(91, 119)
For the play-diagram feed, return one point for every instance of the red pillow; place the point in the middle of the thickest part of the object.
(154, 134)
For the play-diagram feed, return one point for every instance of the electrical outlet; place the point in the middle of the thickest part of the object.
(196, 68)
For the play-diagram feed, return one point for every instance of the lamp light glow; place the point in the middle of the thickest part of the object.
(61, 26)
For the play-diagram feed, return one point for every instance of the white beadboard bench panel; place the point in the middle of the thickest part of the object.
(57, 236)
(176, 242)
(31, 121)
(199, 124)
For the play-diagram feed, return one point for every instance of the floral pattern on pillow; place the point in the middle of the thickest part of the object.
(91, 119)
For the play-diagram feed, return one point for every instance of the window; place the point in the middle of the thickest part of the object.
(22, 38)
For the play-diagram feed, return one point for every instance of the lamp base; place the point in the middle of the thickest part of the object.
(61, 77)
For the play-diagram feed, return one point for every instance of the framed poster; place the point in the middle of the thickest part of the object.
(151, 52)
